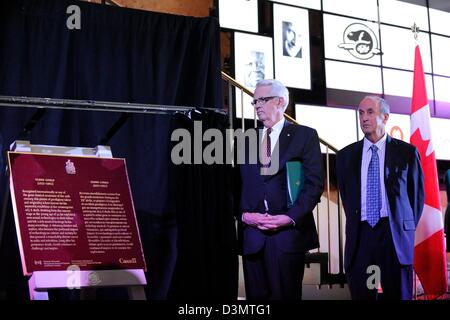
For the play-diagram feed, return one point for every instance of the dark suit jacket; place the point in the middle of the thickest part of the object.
(403, 180)
(298, 143)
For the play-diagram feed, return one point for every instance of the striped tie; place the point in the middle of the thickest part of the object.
(266, 149)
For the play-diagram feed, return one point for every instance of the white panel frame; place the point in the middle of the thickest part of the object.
(398, 46)
(311, 4)
(353, 77)
(403, 14)
(365, 9)
(239, 15)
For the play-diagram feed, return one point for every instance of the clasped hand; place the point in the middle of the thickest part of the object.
(266, 222)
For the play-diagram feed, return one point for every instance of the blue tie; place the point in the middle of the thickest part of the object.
(373, 200)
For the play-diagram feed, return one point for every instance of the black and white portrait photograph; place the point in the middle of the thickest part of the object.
(291, 46)
(253, 63)
(291, 40)
(254, 68)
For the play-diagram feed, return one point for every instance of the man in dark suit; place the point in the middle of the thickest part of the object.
(381, 184)
(275, 237)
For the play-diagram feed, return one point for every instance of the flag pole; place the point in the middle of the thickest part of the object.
(429, 250)
(415, 30)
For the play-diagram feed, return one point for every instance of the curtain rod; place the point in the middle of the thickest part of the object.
(91, 105)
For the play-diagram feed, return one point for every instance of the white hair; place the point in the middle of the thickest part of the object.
(277, 89)
(384, 106)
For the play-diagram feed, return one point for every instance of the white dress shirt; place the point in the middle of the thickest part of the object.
(275, 134)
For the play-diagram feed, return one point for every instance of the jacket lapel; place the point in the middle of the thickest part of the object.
(388, 163)
(357, 165)
(283, 141)
(388, 156)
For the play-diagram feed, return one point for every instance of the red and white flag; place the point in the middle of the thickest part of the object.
(429, 252)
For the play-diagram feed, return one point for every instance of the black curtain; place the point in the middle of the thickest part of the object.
(118, 54)
(133, 56)
(205, 190)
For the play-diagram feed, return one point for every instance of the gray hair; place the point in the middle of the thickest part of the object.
(278, 89)
(384, 106)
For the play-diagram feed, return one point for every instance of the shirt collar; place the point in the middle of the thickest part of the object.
(380, 143)
(277, 127)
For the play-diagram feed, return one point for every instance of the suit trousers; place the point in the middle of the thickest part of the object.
(271, 274)
(376, 249)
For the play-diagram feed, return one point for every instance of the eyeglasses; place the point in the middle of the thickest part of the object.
(262, 100)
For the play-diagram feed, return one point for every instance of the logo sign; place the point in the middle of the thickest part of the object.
(396, 132)
(360, 41)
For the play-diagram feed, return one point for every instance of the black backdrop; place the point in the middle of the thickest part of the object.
(184, 212)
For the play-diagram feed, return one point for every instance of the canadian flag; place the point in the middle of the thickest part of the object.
(429, 251)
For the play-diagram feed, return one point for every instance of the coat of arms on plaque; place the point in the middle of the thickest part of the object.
(70, 167)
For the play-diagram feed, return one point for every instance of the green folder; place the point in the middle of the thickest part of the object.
(295, 181)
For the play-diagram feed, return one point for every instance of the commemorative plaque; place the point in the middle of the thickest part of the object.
(73, 211)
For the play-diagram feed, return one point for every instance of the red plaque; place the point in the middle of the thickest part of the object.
(74, 211)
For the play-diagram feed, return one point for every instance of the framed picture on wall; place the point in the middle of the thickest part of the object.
(253, 62)
(239, 15)
(291, 46)
(313, 4)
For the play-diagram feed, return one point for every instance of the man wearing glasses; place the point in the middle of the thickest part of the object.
(277, 236)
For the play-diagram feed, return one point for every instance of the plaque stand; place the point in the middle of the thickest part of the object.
(41, 281)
